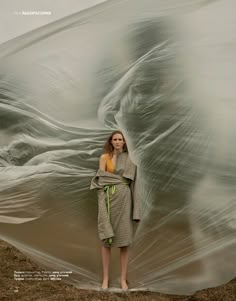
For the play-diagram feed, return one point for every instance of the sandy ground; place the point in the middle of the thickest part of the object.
(11, 289)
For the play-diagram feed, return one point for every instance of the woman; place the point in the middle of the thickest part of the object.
(118, 203)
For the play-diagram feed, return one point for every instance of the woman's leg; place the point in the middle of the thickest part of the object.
(106, 256)
(124, 266)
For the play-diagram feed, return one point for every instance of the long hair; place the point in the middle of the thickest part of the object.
(108, 147)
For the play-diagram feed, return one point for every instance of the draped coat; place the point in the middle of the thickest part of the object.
(118, 202)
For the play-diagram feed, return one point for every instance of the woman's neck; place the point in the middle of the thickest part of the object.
(115, 152)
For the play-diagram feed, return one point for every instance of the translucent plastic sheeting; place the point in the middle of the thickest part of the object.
(164, 73)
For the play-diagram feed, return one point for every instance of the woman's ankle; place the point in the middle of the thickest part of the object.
(105, 283)
(124, 284)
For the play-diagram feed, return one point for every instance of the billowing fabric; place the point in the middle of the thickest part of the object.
(161, 71)
(124, 202)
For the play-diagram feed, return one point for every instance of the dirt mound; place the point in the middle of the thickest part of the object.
(11, 289)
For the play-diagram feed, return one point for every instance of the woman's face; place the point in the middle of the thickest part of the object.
(118, 142)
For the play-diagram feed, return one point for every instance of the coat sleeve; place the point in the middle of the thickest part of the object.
(104, 226)
(135, 198)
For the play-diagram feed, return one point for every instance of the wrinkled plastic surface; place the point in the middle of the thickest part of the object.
(164, 73)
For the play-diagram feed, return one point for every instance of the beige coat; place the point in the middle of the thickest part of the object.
(124, 202)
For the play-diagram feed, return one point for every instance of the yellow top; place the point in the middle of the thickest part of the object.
(109, 164)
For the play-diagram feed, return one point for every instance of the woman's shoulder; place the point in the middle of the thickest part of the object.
(104, 156)
(128, 160)
(125, 154)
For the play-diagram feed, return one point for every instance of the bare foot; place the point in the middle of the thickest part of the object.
(124, 285)
(105, 284)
